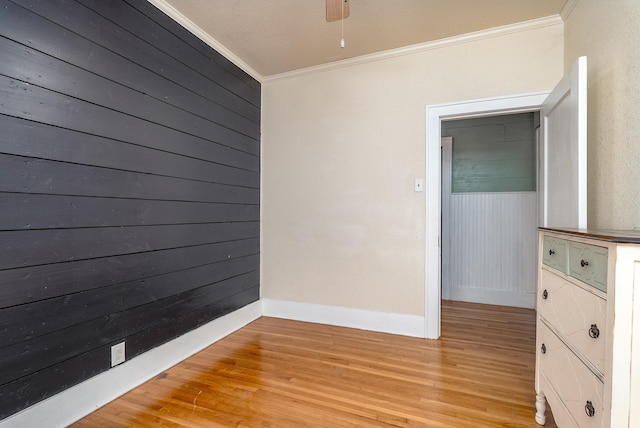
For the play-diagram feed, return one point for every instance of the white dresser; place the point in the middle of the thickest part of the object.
(588, 355)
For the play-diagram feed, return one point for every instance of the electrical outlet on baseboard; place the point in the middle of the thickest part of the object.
(117, 354)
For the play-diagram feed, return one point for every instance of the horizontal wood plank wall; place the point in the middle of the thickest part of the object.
(129, 188)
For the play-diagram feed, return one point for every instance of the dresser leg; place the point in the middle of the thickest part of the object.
(541, 407)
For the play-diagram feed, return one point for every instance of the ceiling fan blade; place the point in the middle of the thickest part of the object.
(334, 10)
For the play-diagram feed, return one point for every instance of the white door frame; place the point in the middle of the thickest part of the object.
(446, 144)
(435, 114)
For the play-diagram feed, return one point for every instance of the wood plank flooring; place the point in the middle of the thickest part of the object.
(281, 373)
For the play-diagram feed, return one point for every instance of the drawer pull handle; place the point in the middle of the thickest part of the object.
(589, 409)
(545, 294)
(584, 263)
(552, 252)
(543, 349)
(594, 332)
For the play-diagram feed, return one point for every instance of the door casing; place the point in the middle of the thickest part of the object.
(435, 114)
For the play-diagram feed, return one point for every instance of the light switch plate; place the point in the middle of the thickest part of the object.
(418, 185)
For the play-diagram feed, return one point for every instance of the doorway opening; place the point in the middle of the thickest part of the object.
(489, 209)
(435, 116)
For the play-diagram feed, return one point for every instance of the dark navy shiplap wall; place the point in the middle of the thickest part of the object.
(129, 188)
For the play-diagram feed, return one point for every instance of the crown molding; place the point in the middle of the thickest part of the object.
(422, 47)
(568, 7)
(533, 24)
(174, 14)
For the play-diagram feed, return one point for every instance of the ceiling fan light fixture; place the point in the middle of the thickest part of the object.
(337, 9)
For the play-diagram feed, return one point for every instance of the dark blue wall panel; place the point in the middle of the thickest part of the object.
(129, 188)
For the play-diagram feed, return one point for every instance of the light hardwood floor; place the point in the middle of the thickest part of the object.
(281, 373)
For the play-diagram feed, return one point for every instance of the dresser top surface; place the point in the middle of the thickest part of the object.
(617, 236)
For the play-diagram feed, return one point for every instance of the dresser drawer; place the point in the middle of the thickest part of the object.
(554, 253)
(561, 415)
(578, 388)
(578, 315)
(588, 263)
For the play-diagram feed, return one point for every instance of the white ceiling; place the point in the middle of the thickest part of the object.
(277, 36)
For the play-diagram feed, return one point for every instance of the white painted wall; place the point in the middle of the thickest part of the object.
(608, 34)
(341, 147)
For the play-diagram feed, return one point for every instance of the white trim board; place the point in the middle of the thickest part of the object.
(177, 16)
(174, 14)
(436, 113)
(78, 401)
(494, 297)
(568, 8)
(421, 47)
(402, 324)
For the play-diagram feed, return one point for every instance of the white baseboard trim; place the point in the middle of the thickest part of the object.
(78, 401)
(406, 325)
(493, 297)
